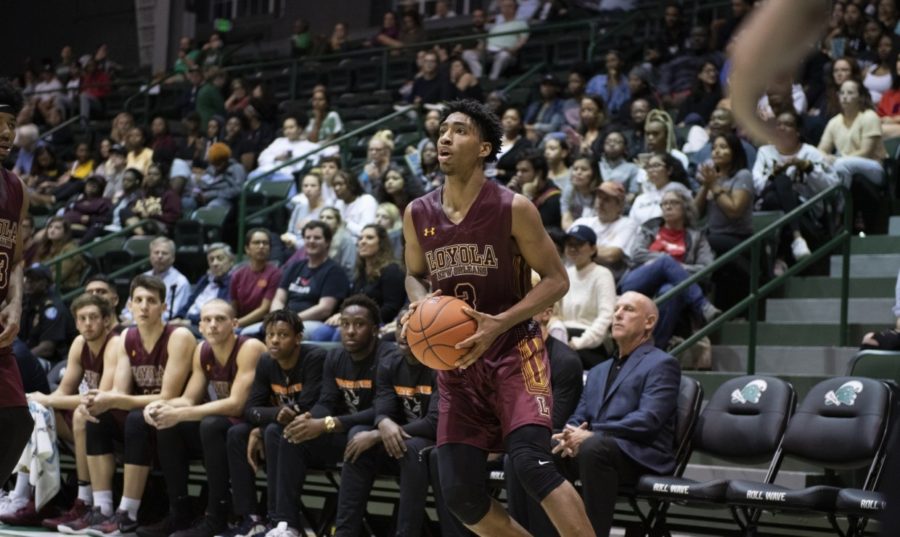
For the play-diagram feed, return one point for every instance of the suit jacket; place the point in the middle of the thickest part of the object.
(638, 411)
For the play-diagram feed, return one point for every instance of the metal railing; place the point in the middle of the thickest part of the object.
(59, 127)
(243, 217)
(755, 244)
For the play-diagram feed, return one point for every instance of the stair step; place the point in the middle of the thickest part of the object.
(875, 244)
(782, 360)
(793, 334)
(828, 310)
(868, 265)
(827, 287)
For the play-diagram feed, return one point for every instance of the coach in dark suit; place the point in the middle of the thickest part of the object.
(624, 425)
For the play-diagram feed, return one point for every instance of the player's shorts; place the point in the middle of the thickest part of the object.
(503, 390)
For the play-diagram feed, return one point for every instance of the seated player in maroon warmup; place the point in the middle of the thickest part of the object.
(92, 360)
(478, 241)
(153, 362)
(196, 425)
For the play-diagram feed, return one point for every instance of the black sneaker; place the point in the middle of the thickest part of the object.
(165, 527)
(250, 525)
(208, 526)
(114, 525)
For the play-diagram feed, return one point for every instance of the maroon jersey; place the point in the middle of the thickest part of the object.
(147, 367)
(220, 376)
(12, 393)
(93, 364)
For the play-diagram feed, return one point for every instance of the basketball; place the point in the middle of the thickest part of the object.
(435, 328)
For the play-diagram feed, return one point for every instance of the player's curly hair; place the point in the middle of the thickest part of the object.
(284, 315)
(364, 301)
(481, 115)
(10, 96)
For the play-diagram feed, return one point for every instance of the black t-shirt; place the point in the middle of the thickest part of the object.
(407, 394)
(305, 285)
(566, 372)
(273, 387)
(430, 91)
(47, 319)
(388, 291)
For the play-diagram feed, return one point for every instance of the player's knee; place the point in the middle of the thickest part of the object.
(273, 434)
(213, 428)
(469, 503)
(535, 471)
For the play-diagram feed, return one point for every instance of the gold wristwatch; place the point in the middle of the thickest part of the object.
(330, 424)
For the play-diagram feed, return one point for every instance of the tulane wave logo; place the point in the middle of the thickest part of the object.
(751, 393)
(845, 395)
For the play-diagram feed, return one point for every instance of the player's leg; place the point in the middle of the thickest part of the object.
(413, 488)
(213, 435)
(99, 447)
(356, 484)
(85, 500)
(243, 480)
(450, 525)
(463, 470)
(16, 424)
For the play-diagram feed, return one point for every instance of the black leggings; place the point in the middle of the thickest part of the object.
(16, 424)
(136, 434)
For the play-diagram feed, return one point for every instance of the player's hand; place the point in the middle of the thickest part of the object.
(489, 328)
(256, 451)
(360, 443)
(165, 416)
(303, 428)
(98, 402)
(285, 416)
(10, 316)
(150, 412)
(412, 308)
(81, 412)
(393, 436)
(38, 397)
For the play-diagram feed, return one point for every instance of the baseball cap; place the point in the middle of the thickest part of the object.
(550, 79)
(582, 233)
(613, 189)
(39, 271)
(218, 153)
(118, 149)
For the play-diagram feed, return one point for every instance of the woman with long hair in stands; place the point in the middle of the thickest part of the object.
(577, 201)
(54, 241)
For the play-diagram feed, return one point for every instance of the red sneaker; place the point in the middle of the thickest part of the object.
(78, 510)
(79, 526)
(27, 516)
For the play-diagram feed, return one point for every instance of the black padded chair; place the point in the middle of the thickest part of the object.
(841, 424)
(743, 423)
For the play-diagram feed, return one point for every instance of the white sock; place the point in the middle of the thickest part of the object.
(104, 500)
(131, 505)
(85, 495)
(23, 487)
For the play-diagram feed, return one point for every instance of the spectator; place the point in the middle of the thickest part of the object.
(886, 13)
(587, 308)
(215, 284)
(852, 144)
(188, 55)
(307, 207)
(27, 140)
(55, 241)
(301, 39)
(325, 124)
(512, 145)
(101, 56)
(667, 251)
(46, 169)
(787, 174)
(253, 285)
(139, 156)
(556, 151)
(89, 212)
(531, 180)
(672, 39)
(160, 138)
(212, 53)
(782, 94)
(188, 98)
(842, 69)
(95, 88)
(121, 126)
(378, 156)
(156, 202)
(68, 183)
(343, 243)
(703, 98)
(473, 50)
(889, 107)
(431, 176)
(725, 30)
(659, 136)
(848, 38)
(640, 86)
(664, 173)
(286, 148)
(677, 76)
(721, 121)
(411, 30)
(886, 340)
(48, 93)
(576, 83)
(611, 441)
(221, 185)
(337, 41)
(578, 200)
(178, 288)
(615, 231)
(210, 101)
(239, 97)
(389, 35)
(47, 325)
(430, 124)
(504, 48)
(388, 216)
(329, 167)
(429, 87)
(593, 121)
(442, 11)
(312, 288)
(612, 87)
(545, 116)
(398, 188)
(615, 167)
(378, 276)
(634, 131)
(356, 207)
(463, 84)
(130, 193)
(878, 78)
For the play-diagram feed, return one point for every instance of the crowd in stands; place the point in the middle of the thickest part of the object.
(635, 165)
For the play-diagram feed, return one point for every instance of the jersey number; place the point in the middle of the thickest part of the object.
(466, 293)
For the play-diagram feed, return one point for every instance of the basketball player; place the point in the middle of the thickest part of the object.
(91, 364)
(776, 39)
(15, 421)
(476, 240)
(187, 427)
(153, 362)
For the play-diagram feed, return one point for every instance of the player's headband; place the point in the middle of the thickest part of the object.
(2, 106)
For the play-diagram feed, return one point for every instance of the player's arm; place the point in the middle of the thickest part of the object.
(772, 33)
(233, 405)
(11, 315)
(66, 396)
(99, 401)
(181, 350)
(110, 363)
(417, 286)
(196, 386)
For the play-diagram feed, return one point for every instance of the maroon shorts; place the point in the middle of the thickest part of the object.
(502, 391)
(11, 391)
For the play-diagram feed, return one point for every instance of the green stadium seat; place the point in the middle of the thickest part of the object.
(876, 364)
(138, 247)
(213, 219)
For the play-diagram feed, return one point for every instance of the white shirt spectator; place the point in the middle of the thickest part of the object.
(619, 233)
(279, 146)
(358, 213)
(589, 304)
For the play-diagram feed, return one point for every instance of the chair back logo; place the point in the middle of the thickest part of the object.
(845, 395)
(751, 393)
